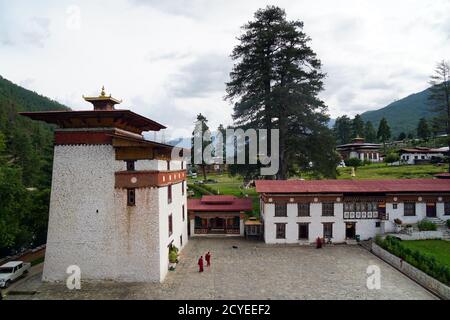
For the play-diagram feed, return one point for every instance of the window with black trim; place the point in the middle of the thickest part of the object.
(303, 209)
(409, 209)
(328, 209)
(182, 211)
(131, 197)
(169, 193)
(182, 188)
(280, 230)
(168, 165)
(447, 209)
(170, 225)
(395, 206)
(303, 231)
(328, 230)
(131, 165)
(280, 210)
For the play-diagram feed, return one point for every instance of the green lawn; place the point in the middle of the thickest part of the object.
(382, 171)
(439, 249)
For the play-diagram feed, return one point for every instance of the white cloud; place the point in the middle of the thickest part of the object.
(169, 59)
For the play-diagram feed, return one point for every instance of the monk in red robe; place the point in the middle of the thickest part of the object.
(208, 259)
(200, 264)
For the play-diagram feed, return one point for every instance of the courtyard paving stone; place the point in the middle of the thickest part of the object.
(253, 270)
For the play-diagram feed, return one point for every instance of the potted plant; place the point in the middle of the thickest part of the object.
(173, 259)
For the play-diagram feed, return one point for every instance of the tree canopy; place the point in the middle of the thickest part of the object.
(274, 84)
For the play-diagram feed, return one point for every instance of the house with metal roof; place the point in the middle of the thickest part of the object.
(213, 215)
(361, 150)
(298, 211)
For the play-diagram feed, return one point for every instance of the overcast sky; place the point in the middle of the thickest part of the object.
(169, 60)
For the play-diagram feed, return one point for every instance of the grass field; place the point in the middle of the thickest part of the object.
(439, 249)
(383, 171)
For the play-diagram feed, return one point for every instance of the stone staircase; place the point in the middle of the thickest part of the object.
(441, 226)
(438, 222)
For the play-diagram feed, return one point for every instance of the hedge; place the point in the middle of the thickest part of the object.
(427, 264)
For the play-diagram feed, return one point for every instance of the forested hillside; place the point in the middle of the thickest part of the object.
(402, 115)
(25, 168)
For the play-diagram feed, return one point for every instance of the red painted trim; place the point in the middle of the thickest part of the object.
(82, 137)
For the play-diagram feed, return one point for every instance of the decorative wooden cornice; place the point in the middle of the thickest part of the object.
(147, 179)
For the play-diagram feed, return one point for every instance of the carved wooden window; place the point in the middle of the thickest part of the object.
(280, 210)
(409, 209)
(303, 210)
(328, 209)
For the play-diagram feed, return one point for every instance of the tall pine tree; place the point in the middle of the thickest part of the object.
(275, 84)
(439, 99)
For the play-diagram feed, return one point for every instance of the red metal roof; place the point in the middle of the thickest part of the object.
(220, 204)
(353, 186)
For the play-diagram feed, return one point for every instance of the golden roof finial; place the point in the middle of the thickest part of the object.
(102, 94)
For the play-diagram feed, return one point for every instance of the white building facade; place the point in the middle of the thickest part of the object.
(301, 211)
(118, 202)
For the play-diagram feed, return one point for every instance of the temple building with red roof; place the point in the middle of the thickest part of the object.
(213, 215)
(118, 201)
(298, 211)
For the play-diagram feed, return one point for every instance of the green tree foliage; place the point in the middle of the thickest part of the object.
(26, 153)
(201, 131)
(357, 127)
(401, 136)
(343, 130)
(275, 84)
(439, 99)
(384, 132)
(423, 130)
(391, 158)
(369, 132)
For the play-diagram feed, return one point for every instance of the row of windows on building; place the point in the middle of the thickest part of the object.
(303, 230)
(303, 209)
(131, 165)
(131, 194)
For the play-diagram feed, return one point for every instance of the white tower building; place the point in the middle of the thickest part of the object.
(118, 201)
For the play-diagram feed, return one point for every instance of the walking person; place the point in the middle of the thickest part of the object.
(208, 259)
(200, 264)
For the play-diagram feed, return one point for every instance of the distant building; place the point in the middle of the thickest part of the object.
(295, 211)
(118, 201)
(218, 215)
(361, 150)
(419, 155)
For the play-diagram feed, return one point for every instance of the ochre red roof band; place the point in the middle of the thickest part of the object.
(353, 186)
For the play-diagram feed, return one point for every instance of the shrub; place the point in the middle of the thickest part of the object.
(353, 162)
(426, 226)
(427, 264)
(448, 223)
(173, 256)
(391, 158)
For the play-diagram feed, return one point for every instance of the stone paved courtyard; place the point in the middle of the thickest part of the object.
(252, 271)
